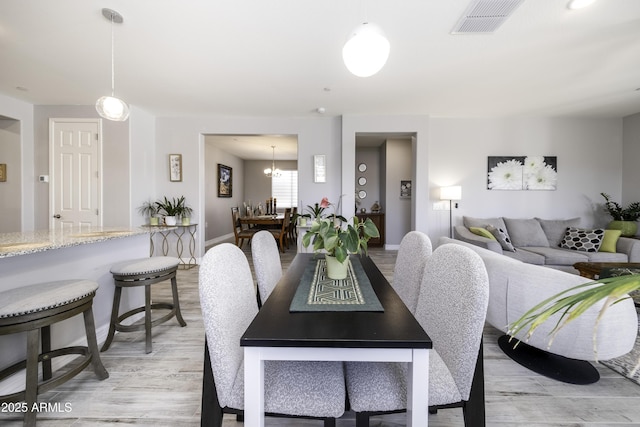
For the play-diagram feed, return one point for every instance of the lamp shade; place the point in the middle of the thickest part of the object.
(453, 192)
(366, 51)
(112, 108)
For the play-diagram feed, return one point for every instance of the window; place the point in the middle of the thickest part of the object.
(285, 189)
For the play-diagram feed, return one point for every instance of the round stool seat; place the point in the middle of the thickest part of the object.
(41, 297)
(144, 266)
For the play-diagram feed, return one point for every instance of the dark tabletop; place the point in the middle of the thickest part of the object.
(275, 326)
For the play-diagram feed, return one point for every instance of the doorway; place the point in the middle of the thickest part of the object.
(10, 176)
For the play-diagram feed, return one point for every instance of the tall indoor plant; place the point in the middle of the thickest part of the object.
(624, 219)
(171, 209)
(338, 238)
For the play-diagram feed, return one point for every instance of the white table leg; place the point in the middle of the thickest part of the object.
(418, 389)
(253, 387)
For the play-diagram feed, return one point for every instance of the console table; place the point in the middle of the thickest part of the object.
(179, 230)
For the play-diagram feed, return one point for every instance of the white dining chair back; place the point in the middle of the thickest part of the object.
(415, 249)
(266, 262)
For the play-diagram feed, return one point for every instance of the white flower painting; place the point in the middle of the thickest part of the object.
(522, 173)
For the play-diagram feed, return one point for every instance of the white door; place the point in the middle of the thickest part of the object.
(75, 147)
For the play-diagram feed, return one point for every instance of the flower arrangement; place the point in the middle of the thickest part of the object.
(337, 239)
(618, 213)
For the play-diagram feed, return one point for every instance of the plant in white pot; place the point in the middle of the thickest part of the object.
(171, 209)
(149, 209)
(337, 238)
(624, 219)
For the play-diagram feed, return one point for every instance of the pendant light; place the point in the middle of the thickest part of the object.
(366, 51)
(110, 107)
(272, 172)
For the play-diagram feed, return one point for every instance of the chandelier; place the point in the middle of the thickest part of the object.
(272, 172)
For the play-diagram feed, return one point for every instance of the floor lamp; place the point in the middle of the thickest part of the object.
(451, 193)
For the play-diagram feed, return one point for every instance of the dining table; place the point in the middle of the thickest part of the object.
(263, 220)
(377, 328)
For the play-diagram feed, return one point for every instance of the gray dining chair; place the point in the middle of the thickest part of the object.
(452, 307)
(266, 263)
(227, 299)
(415, 249)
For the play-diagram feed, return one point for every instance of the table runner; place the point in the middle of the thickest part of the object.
(316, 292)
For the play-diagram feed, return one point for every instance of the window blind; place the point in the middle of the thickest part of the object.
(285, 189)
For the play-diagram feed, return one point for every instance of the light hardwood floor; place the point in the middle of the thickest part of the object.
(164, 388)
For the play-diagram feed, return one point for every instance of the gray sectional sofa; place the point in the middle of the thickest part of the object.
(537, 241)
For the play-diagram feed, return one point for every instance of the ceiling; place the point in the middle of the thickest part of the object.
(282, 58)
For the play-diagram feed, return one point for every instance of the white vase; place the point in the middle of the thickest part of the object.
(170, 220)
(336, 270)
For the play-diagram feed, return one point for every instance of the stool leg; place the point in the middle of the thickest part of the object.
(45, 336)
(31, 389)
(176, 301)
(92, 343)
(147, 317)
(114, 318)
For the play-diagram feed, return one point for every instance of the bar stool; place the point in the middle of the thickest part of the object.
(33, 309)
(143, 272)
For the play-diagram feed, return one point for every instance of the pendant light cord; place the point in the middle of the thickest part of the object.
(113, 67)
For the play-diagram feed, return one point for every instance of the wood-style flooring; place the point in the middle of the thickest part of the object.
(164, 388)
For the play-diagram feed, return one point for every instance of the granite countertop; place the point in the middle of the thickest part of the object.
(23, 243)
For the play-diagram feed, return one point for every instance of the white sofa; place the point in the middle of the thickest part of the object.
(515, 287)
(537, 241)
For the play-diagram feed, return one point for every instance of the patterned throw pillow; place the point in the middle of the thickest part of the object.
(502, 237)
(580, 239)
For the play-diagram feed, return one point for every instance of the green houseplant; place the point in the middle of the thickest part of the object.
(624, 219)
(149, 209)
(337, 238)
(172, 209)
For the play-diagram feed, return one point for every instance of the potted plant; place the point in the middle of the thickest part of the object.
(185, 213)
(171, 209)
(149, 209)
(624, 219)
(337, 240)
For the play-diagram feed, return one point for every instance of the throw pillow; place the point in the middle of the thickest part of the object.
(502, 237)
(482, 232)
(580, 239)
(610, 240)
(470, 221)
(554, 229)
(526, 232)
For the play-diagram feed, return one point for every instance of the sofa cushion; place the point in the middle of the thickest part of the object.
(502, 237)
(582, 239)
(481, 231)
(470, 221)
(558, 256)
(606, 257)
(524, 255)
(610, 240)
(554, 229)
(525, 232)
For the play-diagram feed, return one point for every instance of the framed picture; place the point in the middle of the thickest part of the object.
(405, 189)
(225, 181)
(522, 172)
(175, 167)
(319, 168)
(3, 172)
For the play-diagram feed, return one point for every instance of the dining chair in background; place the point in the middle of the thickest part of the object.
(415, 249)
(293, 221)
(266, 263)
(227, 299)
(282, 234)
(452, 307)
(239, 231)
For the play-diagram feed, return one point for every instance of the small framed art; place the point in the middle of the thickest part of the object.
(319, 168)
(175, 167)
(225, 181)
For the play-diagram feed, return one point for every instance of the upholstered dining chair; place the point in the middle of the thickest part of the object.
(266, 263)
(452, 307)
(282, 234)
(415, 249)
(239, 232)
(227, 299)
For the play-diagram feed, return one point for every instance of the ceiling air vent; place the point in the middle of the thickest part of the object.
(485, 16)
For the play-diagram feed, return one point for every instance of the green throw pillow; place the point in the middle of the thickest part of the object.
(610, 240)
(482, 232)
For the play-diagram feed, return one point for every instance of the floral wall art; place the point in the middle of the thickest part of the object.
(522, 173)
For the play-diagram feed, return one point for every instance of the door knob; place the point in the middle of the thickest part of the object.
(57, 216)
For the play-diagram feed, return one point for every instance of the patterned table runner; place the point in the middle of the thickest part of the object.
(316, 292)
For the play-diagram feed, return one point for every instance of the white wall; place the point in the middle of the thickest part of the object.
(630, 167)
(589, 155)
(370, 156)
(398, 167)
(142, 152)
(11, 189)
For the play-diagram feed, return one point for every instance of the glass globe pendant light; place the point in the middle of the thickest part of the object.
(366, 51)
(272, 172)
(110, 107)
